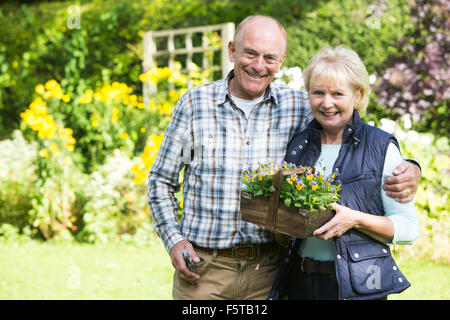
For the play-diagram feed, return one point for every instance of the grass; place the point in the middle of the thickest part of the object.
(74, 271)
(429, 281)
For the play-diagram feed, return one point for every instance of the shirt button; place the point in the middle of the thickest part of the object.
(306, 141)
(248, 142)
(384, 250)
(293, 152)
(356, 255)
(400, 280)
(350, 130)
(338, 256)
(394, 268)
(300, 147)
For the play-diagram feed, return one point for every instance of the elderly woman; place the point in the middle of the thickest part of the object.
(348, 257)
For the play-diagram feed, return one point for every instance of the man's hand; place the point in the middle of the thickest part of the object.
(176, 254)
(403, 185)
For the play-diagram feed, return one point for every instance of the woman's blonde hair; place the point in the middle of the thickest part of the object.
(340, 64)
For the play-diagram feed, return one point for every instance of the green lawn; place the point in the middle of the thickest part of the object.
(73, 271)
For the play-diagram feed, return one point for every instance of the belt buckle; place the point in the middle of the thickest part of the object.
(235, 249)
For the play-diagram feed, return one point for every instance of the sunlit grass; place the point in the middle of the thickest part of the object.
(74, 271)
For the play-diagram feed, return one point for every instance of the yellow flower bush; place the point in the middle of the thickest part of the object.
(171, 84)
(37, 117)
(105, 120)
(147, 158)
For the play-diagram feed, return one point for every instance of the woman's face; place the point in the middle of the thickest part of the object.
(332, 103)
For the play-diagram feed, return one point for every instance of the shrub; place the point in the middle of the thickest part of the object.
(416, 81)
(114, 205)
(17, 172)
(432, 198)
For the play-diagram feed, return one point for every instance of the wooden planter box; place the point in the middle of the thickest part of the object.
(275, 216)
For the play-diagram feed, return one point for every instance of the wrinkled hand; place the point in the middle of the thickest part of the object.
(176, 254)
(403, 185)
(343, 220)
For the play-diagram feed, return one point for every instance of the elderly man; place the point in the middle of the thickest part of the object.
(216, 131)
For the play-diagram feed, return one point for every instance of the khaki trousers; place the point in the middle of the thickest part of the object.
(223, 278)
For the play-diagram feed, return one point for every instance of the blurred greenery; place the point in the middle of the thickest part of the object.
(108, 45)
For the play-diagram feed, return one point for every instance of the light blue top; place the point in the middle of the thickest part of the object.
(403, 215)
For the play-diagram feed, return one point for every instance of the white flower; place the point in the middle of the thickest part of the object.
(400, 134)
(413, 136)
(426, 140)
(427, 92)
(407, 124)
(387, 125)
(292, 77)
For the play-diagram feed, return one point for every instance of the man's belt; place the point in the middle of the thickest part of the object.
(242, 252)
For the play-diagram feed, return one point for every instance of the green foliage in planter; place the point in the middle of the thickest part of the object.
(308, 189)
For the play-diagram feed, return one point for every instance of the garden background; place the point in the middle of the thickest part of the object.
(77, 140)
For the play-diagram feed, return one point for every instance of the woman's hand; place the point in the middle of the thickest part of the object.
(379, 228)
(344, 219)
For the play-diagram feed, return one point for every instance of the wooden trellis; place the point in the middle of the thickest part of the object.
(151, 40)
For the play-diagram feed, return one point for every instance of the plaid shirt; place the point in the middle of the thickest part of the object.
(213, 140)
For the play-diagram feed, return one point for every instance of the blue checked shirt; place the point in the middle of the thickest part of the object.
(213, 140)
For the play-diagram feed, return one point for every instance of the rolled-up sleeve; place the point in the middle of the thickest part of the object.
(403, 215)
(163, 179)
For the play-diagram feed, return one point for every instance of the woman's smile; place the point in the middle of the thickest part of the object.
(332, 103)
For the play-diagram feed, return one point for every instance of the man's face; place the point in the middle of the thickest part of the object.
(257, 55)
